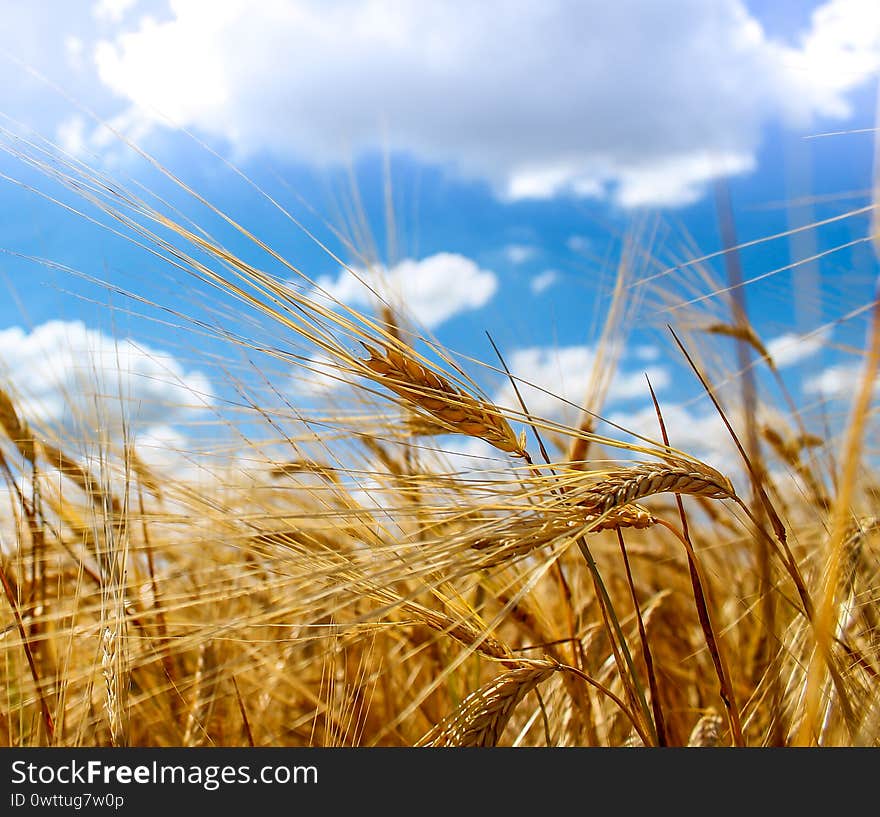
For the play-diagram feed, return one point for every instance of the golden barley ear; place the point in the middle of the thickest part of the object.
(744, 333)
(481, 717)
(631, 515)
(433, 394)
(113, 698)
(461, 631)
(16, 429)
(146, 477)
(81, 477)
(523, 536)
(621, 488)
(707, 731)
(304, 466)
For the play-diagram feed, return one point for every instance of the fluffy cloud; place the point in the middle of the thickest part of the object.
(840, 50)
(64, 373)
(640, 100)
(543, 281)
(701, 433)
(839, 381)
(552, 373)
(432, 290)
(687, 429)
(646, 352)
(317, 377)
(520, 253)
(111, 10)
(788, 349)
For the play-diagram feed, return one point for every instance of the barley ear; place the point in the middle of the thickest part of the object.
(707, 732)
(481, 717)
(428, 391)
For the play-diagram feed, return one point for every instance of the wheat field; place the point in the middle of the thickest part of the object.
(329, 573)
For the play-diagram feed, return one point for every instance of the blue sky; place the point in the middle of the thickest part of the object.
(524, 143)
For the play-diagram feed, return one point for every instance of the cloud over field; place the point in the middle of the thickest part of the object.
(433, 289)
(839, 381)
(789, 348)
(550, 373)
(640, 101)
(64, 373)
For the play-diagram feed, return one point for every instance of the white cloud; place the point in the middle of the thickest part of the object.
(839, 381)
(74, 136)
(641, 100)
(519, 253)
(542, 181)
(543, 281)
(578, 243)
(841, 49)
(161, 445)
(317, 377)
(432, 290)
(790, 348)
(678, 179)
(111, 11)
(467, 455)
(701, 434)
(687, 429)
(74, 48)
(646, 352)
(565, 373)
(71, 135)
(64, 373)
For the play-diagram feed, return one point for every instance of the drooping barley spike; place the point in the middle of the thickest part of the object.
(16, 429)
(81, 476)
(620, 488)
(461, 631)
(633, 741)
(417, 425)
(433, 394)
(707, 732)
(632, 515)
(744, 333)
(481, 717)
(149, 480)
(304, 466)
(522, 536)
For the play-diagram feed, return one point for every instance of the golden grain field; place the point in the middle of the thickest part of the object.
(327, 574)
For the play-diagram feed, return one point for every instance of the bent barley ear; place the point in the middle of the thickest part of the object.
(707, 731)
(428, 391)
(16, 429)
(621, 488)
(481, 717)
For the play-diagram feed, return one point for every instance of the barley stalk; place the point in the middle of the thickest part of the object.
(633, 741)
